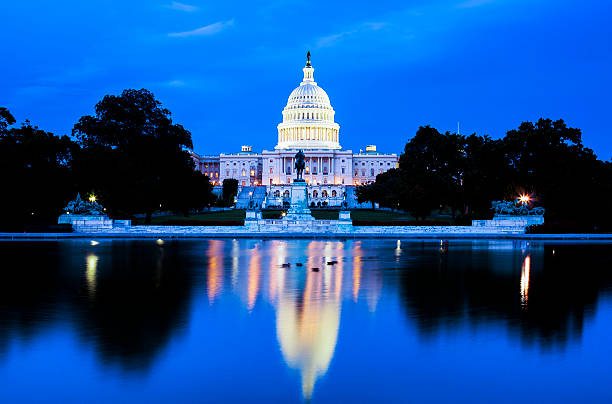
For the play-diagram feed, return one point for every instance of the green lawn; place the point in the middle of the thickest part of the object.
(378, 215)
(233, 216)
(221, 216)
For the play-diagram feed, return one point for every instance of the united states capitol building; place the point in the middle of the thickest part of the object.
(308, 124)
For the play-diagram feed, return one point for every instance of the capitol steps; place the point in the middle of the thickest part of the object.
(258, 194)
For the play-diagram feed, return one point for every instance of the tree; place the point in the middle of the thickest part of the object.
(548, 160)
(366, 193)
(138, 155)
(6, 120)
(230, 190)
(35, 170)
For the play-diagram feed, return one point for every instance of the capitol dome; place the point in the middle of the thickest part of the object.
(308, 118)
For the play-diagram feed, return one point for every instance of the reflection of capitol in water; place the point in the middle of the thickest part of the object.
(307, 303)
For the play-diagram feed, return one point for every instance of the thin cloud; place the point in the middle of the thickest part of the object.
(331, 40)
(210, 29)
(183, 7)
(474, 3)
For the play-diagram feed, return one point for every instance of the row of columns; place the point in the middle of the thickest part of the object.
(295, 134)
(308, 115)
(290, 162)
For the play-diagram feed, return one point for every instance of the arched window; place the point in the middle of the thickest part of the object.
(277, 194)
(243, 172)
(315, 194)
(372, 172)
(324, 194)
(286, 193)
(334, 193)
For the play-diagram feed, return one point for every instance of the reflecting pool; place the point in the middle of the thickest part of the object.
(305, 321)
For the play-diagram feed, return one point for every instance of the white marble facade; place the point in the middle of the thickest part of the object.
(308, 124)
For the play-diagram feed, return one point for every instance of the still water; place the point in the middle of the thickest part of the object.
(229, 321)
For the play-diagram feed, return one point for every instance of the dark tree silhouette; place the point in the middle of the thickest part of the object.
(134, 157)
(35, 171)
(230, 190)
(545, 159)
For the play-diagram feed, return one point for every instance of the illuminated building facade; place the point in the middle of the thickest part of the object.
(308, 124)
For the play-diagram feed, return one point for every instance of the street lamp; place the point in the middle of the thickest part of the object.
(524, 199)
(92, 198)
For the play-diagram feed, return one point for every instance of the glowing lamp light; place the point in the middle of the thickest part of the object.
(92, 198)
(524, 199)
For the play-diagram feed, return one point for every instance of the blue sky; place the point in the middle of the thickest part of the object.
(226, 68)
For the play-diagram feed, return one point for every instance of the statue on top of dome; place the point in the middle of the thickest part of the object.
(300, 164)
(308, 59)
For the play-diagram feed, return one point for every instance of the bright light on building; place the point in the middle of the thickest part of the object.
(92, 198)
(524, 199)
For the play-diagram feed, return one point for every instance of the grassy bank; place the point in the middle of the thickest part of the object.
(361, 217)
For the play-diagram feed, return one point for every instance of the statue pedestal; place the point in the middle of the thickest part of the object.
(86, 223)
(298, 209)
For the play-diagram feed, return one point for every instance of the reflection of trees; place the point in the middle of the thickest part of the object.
(542, 295)
(31, 292)
(126, 298)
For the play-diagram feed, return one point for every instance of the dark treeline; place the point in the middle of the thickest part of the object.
(546, 160)
(129, 154)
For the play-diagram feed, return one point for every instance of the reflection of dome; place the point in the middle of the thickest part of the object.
(308, 330)
(308, 118)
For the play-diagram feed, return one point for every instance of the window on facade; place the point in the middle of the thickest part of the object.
(315, 194)
(217, 175)
(324, 194)
(271, 170)
(234, 163)
(363, 173)
(227, 173)
(363, 164)
(372, 172)
(243, 172)
(324, 180)
(243, 183)
(252, 172)
(277, 194)
(307, 169)
(334, 193)
(356, 173)
(342, 170)
(286, 193)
